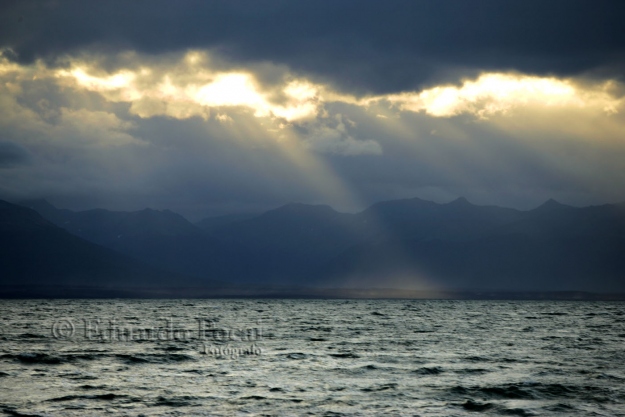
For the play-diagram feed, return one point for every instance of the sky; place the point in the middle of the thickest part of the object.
(209, 108)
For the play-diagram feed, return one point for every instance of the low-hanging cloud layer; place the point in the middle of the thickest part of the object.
(207, 129)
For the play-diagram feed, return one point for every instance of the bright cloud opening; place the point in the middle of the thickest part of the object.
(186, 88)
(499, 93)
(196, 85)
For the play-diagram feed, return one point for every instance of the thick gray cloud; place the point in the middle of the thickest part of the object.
(360, 46)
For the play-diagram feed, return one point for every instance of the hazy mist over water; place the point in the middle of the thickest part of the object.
(311, 357)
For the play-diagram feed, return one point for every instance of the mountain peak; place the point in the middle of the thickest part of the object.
(404, 204)
(551, 204)
(156, 213)
(305, 208)
(37, 204)
(20, 218)
(460, 201)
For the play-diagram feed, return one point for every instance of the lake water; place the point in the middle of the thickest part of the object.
(311, 357)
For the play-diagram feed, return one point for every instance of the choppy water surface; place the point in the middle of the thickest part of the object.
(297, 357)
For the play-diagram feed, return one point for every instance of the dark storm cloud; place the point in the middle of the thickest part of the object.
(362, 46)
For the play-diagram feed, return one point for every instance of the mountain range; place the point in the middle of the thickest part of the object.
(411, 244)
(35, 253)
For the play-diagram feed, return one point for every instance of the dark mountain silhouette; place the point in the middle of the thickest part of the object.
(424, 220)
(312, 231)
(162, 239)
(551, 205)
(287, 245)
(553, 219)
(211, 224)
(34, 253)
(403, 243)
(108, 228)
(552, 247)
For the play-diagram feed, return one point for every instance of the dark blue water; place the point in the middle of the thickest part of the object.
(298, 357)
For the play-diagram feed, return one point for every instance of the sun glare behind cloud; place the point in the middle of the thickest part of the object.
(303, 120)
(494, 93)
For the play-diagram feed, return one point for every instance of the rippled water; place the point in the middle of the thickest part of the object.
(311, 357)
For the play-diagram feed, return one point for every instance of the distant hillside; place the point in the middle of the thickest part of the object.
(34, 252)
(404, 243)
(424, 220)
(463, 246)
(107, 227)
(211, 224)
